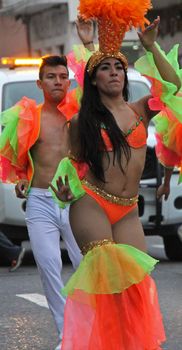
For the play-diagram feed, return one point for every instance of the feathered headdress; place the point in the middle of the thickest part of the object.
(114, 18)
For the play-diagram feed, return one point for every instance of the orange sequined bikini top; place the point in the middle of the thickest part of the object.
(136, 136)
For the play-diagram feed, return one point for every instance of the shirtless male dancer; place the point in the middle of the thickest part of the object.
(46, 222)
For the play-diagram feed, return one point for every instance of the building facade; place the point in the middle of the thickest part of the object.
(50, 24)
(13, 37)
(170, 33)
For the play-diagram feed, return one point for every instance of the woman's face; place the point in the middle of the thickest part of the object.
(110, 77)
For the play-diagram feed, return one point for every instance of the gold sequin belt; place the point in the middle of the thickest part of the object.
(110, 197)
(91, 245)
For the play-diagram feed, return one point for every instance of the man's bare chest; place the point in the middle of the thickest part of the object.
(55, 132)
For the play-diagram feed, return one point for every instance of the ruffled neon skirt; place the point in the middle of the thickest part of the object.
(112, 302)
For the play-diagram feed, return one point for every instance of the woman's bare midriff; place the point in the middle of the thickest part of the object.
(124, 184)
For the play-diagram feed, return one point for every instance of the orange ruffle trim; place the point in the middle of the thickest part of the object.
(122, 321)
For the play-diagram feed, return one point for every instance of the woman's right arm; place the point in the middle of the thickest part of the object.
(66, 185)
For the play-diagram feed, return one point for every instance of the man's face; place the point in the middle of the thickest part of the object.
(54, 83)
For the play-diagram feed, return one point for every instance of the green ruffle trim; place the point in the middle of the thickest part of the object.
(9, 120)
(110, 269)
(82, 53)
(168, 100)
(146, 66)
(65, 167)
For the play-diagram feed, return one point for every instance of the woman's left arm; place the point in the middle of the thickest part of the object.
(148, 39)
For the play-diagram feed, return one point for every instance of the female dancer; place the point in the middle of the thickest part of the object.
(112, 301)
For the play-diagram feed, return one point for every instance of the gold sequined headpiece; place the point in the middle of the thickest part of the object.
(99, 56)
(114, 18)
(110, 38)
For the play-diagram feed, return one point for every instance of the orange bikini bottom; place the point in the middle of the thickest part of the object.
(114, 207)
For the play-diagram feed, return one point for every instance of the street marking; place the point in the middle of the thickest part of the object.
(158, 246)
(35, 298)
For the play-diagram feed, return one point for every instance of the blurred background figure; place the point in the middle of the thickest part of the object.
(11, 253)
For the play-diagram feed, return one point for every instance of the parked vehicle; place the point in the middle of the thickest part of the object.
(163, 218)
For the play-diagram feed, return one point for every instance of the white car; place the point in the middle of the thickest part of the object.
(158, 217)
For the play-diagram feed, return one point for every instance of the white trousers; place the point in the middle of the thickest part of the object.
(46, 222)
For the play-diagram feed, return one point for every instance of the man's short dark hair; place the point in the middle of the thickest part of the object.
(53, 61)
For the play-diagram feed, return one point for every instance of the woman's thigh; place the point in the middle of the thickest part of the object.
(129, 230)
(89, 221)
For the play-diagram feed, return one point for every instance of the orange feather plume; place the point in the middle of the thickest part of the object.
(125, 13)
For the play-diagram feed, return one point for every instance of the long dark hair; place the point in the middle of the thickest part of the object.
(93, 114)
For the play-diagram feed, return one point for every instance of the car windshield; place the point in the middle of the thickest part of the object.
(13, 92)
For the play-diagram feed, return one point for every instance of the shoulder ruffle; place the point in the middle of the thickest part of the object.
(20, 130)
(77, 60)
